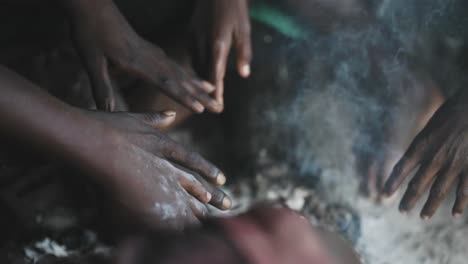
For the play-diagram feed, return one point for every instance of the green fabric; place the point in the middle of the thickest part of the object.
(278, 19)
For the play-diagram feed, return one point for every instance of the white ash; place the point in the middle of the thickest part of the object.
(275, 183)
(45, 247)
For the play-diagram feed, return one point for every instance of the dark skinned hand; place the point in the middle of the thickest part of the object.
(144, 173)
(152, 177)
(440, 154)
(103, 37)
(218, 25)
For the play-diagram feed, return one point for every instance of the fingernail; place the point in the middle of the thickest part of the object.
(217, 107)
(169, 113)
(227, 203)
(208, 197)
(221, 179)
(457, 215)
(425, 218)
(198, 107)
(245, 70)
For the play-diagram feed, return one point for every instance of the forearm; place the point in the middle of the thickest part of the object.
(34, 118)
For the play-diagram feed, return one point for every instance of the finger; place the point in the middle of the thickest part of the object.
(219, 93)
(418, 185)
(219, 198)
(433, 132)
(190, 102)
(210, 103)
(195, 106)
(368, 168)
(158, 120)
(384, 160)
(194, 187)
(220, 54)
(175, 87)
(198, 209)
(193, 161)
(439, 190)
(205, 86)
(410, 160)
(244, 51)
(97, 68)
(462, 195)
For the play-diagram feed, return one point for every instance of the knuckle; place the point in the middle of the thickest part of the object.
(437, 193)
(217, 196)
(439, 159)
(165, 83)
(421, 143)
(414, 187)
(193, 157)
(398, 169)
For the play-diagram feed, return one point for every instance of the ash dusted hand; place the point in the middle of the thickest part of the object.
(104, 37)
(217, 26)
(152, 179)
(440, 154)
(157, 179)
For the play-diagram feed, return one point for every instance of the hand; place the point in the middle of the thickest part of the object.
(258, 236)
(150, 176)
(103, 36)
(154, 179)
(441, 152)
(219, 24)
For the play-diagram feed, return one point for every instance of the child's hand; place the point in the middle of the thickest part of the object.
(440, 152)
(153, 178)
(218, 25)
(103, 37)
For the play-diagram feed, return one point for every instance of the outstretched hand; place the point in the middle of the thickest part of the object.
(440, 154)
(103, 37)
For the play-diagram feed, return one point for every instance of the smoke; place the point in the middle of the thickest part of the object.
(345, 99)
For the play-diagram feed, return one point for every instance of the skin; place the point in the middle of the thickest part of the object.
(375, 166)
(255, 237)
(219, 25)
(438, 154)
(104, 37)
(148, 176)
